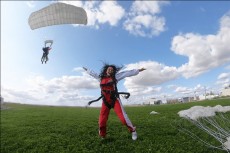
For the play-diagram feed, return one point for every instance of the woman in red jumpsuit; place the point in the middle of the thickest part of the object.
(108, 78)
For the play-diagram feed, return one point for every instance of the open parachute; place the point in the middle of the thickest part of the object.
(48, 43)
(56, 14)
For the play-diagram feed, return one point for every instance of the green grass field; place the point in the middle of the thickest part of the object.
(47, 129)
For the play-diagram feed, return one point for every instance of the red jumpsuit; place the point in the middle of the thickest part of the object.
(108, 89)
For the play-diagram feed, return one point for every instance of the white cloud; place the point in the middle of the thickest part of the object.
(224, 76)
(65, 83)
(154, 74)
(199, 88)
(78, 69)
(66, 90)
(144, 90)
(141, 7)
(181, 91)
(100, 12)
(184, 90)
(111, 12)
(143, 19)
(225, 21)
(223, 79)
(15, 95)
(204, 52)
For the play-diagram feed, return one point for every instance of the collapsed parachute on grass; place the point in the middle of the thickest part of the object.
(56, 14)
(153, 112)
(214, 121)
(196, 112)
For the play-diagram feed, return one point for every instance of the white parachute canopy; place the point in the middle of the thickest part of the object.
(50, 42)
(56, 14)
(197, 112)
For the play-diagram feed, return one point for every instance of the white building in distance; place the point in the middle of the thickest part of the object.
(225, 92)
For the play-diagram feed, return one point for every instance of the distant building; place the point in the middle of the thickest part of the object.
(172, 101)
(225, 92)
(203, 97)
(185, 99)
(196, 98)
(152, 101)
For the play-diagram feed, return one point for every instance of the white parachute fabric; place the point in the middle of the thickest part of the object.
(211, 120)
(56, 14)
(227, 143)
(153, 112)
(196, 112)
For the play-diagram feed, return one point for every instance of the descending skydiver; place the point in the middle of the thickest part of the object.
(108, 78)
(45, 54)
(46, 50)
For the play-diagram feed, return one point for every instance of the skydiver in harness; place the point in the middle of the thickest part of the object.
(108, 78)
(46, 50)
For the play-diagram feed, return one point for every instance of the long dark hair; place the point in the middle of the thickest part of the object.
(105, 67)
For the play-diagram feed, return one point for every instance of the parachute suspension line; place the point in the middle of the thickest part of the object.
(217, 127)
(195, 137)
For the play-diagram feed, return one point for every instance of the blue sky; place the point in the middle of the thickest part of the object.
(183, 45)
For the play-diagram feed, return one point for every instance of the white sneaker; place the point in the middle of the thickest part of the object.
(134, 135)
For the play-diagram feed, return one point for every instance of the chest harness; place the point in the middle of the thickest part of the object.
(110, 89)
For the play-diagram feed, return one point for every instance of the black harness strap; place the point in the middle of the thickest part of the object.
(114, 94)
(92, 101)
(107, 104)
(113, 102)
